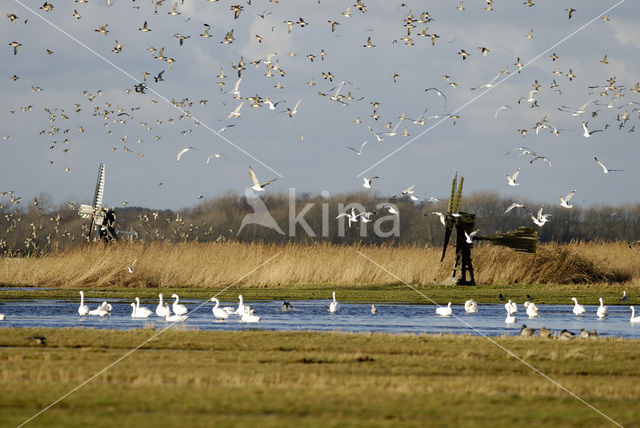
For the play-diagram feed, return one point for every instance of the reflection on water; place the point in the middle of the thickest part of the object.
(310, 315)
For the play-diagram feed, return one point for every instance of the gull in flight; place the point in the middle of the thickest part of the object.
(605, 169)
(236, 112)
(500, 109)
(544, 158)
(512, 179)
(183, 151)
(469, 236)
(442, 217)
(216, 156)
(392, 209)
(378, 137)
(439, 94)
(352, 217)
(529, 98)
(588, 133)
(358, 152)
(294, 110)
(256, 184)
(367, 182)
(576, 112)
(488, 84)
(272, 105)
(408, 191)
(365, 216)
(565, 201)
(540, 219)
(130, 268)
(512, 206)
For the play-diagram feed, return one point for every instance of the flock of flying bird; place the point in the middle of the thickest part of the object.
(608, 96)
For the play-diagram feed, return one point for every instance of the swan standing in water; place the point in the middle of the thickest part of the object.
(444, 311)
(577, 309)
(173, 318)
(471, 306)
(511, 307)
(602, 310)
(177, 307)
(634, 318)
(333, 306)
(532, 309)
(83, 309)
(241, 307)
(218, 312)
(135, 313)
(161, 310)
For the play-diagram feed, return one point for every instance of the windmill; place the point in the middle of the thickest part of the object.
(102, 219)
(524, 239)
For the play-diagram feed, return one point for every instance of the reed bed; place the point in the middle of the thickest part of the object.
(209, 265)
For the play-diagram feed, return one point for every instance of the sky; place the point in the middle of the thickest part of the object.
(46, 152)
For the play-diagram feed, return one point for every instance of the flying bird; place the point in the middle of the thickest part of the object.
(565, 201)
(512, 206)
(511, 179)
(367, 182)
(358, 152)
(183, 151)
(605, 169)
(257, 186)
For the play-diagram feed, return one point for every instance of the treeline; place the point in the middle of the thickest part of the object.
(37, 227)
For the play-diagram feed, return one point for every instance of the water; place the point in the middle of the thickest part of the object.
(310, 315)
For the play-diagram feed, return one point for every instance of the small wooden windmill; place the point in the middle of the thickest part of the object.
(524, 239)
(102, 219)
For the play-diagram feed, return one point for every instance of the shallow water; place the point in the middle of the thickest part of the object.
(310, 315)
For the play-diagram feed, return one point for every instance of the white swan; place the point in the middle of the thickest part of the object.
(83, 309)
(510, 319)
(602, 310)
(532, 309)
(102, 310)
(161, 310)
(333, 306)
(511, 307)
(2, 317)
(471, 306)
(138, 314)
(249, 317)
(374, 310)
(634, 318)
(444, 311)
(240, 309)
(218, 312)
(177, 307)
(175, 317)
(577, 309)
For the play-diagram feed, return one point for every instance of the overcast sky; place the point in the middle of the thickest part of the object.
(272, 142)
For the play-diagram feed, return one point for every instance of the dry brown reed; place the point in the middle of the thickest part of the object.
(214, 264)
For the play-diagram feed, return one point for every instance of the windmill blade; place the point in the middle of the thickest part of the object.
(97, 197)
(445, 243)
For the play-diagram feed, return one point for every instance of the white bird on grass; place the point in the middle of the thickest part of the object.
(257, 186)
(333, 306)
(161, 309)
(178, 307)
(471, 306)
(444, 311)
(218, 312)
(605, 169)
(367, 182)
(565, 201)
(511, 179)
(602, 310)
(82, 309)
(577, 309)
(183, 151)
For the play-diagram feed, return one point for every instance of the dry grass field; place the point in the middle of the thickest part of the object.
(197, 378)
(211, 265)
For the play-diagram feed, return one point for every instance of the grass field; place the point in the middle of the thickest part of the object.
(214, 265)
(193, 378)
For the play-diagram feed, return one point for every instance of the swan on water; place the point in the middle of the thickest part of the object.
(83, 309)
(532, 309)
(218, 312)
(510, 317)
(2, 317)
(248, 316)
(161, 311)
(634, 318)
(511, 307)
(471, 306)
(173, 318)
(137, 314)
(374, 310)
(177, 307)
(577, 309)
(444, 311)
(602, 310)
(333, 306)
(241, 306)
(102, 310)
